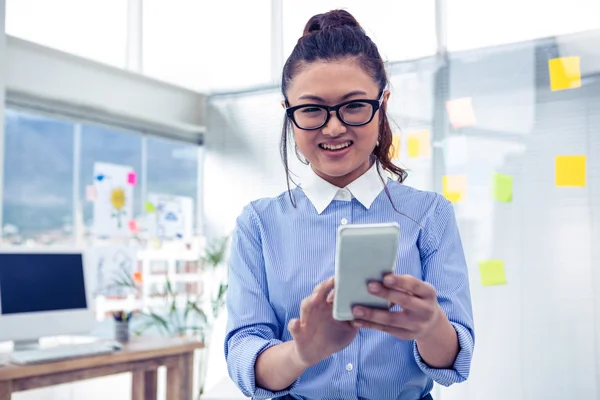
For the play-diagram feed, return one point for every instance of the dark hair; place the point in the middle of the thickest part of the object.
(330, 37)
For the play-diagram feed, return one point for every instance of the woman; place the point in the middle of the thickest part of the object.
(281, 337)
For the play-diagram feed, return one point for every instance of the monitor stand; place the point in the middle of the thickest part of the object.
(21, 345)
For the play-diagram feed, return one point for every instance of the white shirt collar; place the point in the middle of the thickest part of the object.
(321, 193)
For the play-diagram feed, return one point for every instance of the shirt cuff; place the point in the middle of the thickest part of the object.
(460, 370)
(248, 378)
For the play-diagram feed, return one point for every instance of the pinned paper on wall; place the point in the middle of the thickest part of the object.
(137, 277)
(571, 171)
(454, 187)
(456, 151)
(502, 187)
(91, 194)
(492, 273)
(565, 73)
(113, 208)
(149, 207)
(133, 226)
(419, 144)
(132, 178)
(461, 113)
(395, 147)
(174, 216)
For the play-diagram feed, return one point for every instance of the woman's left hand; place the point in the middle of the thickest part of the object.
(420, 313)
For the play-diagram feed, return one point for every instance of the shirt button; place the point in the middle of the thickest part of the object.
(349, 367)
(344, 221)
(344, 194)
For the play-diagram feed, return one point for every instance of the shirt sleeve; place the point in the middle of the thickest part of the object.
(445, 267)
(252, 326)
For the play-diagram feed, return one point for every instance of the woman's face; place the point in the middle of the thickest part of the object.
(330, 83)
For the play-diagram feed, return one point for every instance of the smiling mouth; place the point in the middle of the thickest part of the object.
(335, 147)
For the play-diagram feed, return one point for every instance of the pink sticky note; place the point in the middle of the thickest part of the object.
(133, 227)
(132, 178)
(91, 194)
(461, 112)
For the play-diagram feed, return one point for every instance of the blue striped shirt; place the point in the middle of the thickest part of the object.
(279, 253)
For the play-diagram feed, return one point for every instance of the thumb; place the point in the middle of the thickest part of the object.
(330, 296)
(294, 326)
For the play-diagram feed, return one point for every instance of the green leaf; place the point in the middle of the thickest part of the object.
(160, 321)
(199, 313)
(215, 251)
(169, 288)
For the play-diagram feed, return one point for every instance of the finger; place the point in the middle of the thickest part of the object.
(322, 289)
(330, 297)
(306, 307)
(401, 333)
(403, 299)
(398, 319)
(294, 326)
(410, 284)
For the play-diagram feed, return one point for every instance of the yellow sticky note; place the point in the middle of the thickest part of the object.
(454, 187)
(570, 171)
(492, 272)
(503, 188)
(419, 144)
(395, 147)
(565, 73)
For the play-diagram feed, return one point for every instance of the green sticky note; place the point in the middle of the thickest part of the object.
(150, 207)
(492, 272)
(503, 188)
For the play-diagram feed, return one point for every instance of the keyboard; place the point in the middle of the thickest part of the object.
(63, 352)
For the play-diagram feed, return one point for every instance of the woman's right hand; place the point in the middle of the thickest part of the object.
(316, 334)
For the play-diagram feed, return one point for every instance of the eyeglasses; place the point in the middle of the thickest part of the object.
(309, 117)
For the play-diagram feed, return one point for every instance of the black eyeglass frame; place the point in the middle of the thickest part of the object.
(376, 105)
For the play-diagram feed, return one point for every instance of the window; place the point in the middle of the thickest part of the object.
(401, 30)
(92, 29)
(44, 155)
(474, 24)
(38, 180)
(172, 168)
(208, 45)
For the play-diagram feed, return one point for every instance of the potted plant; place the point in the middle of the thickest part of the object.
(181, 314)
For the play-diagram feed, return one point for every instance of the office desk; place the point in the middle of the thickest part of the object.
(141, 357)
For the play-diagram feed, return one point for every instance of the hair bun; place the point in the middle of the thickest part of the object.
(331, 19)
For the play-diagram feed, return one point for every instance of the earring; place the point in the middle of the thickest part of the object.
(377, 144)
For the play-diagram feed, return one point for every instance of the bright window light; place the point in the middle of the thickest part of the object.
(402, 30)
(94, 29)
(208, 45)
(475, 23)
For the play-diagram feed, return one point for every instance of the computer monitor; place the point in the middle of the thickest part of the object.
(43, 293)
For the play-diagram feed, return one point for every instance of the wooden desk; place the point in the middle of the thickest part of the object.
(141, 357)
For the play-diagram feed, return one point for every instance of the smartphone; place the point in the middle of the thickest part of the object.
(364, 253)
